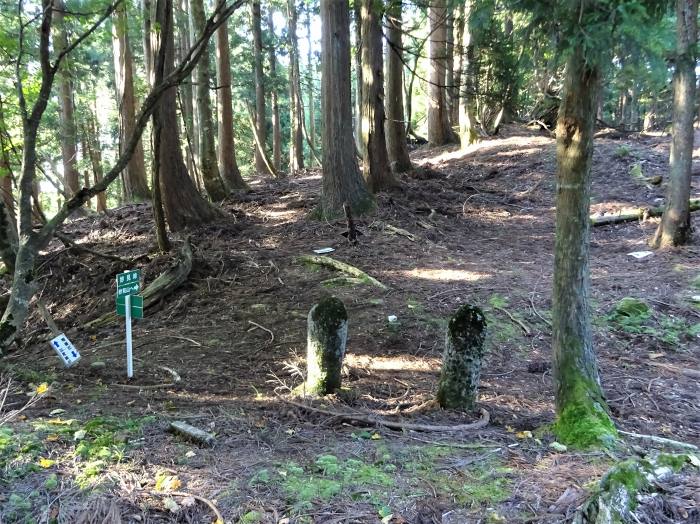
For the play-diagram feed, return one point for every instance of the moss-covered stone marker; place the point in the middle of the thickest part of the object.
(327, 333)
(461, 362)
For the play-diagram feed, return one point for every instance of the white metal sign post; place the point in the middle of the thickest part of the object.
(128, 284)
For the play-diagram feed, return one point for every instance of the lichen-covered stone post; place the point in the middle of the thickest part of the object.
(327, 333)
(461, 362)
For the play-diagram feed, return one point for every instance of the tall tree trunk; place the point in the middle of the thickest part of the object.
(147, 12)
(196, 129)
(185, 92)
(208, 166)
(296, 142)
(69, 134)
(375, 160)
(310, 80)
(94, 152)
(449, 59)
(439, 130)
(227, 147)
(260, 123)
(457, 64)
(467, 100)
(274, 103)
(135, 184)
(395, 125)
(342, 182)
(582, 416)
(675, 228)
(184, 206)
(358, 75)
(8, 218)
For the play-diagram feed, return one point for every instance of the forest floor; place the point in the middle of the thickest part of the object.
(481, 231)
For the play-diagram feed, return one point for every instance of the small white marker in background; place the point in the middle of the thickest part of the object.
(65, 349)
(324, 250)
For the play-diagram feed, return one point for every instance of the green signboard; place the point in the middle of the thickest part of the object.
(136, 306)
(128, 283)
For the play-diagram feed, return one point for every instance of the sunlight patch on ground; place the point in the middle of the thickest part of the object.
(392, 363)
(444, 275)
(534, 145)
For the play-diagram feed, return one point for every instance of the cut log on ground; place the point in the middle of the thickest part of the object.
(639, 213)
(192, 433)
(342, 267)
(161, 287)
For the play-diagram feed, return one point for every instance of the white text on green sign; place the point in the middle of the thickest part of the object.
(136, 306)
(129, 282)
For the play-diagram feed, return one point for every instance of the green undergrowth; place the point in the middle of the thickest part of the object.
(379, 475)
(634, 316)
(86, 449)
(501, 328)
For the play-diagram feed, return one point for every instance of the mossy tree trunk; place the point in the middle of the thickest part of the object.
(461, 362)
(467, 97)
(327, 335)
(675, 228)
(582, 417)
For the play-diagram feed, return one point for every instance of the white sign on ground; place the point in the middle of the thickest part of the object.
(65, 349)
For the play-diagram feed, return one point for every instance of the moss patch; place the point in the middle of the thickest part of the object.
(583, 421)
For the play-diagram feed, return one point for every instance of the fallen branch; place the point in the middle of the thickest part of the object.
(688, 372)
(161, 287)
(396, 230)
(660, 440)
(332, 263)
(377, 421)
(72, 245)
(639, 213)
(520, 323)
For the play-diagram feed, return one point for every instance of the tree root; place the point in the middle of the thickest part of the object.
(639, 213)
(161, 287)
(342, 267)
(377, 421)
(519, 323)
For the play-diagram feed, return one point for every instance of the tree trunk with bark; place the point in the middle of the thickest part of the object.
(274, 102)
(457, 64)
(208, 165)
(135, 183)
(310, 80)
(296, 141)
(227, 147)
(467, 100)
(375, 160)
(357, 14)
(94, 150)
(582, 416)
(185, 91)
(395, 125)
(675, 227)
(342, 181)
(439, 130)
(147, 12)
(260, 119)
(183, 205)
(68, 130)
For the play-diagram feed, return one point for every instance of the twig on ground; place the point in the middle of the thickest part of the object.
(256, 325)
(212, 507)
(376, 421)
(520, 323)
(660, 440)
